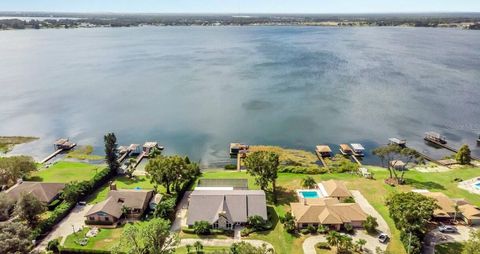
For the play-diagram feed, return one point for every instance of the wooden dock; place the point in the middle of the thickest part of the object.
(140, 157)
(124, 156)
(57, 152)
(356, 160)
(322, 160)
(446, 147)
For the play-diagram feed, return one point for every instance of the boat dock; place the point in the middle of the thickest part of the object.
(403, 143)
(323, 151)
(354, 157)
(139, 159)
(60, 146)
(444, 145)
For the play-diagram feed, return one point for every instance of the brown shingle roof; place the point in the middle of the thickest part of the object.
(446, 204)
(324, 149)
(336, 188)
(327, 213)
(44, 192)
(132, 199)
(469, 211)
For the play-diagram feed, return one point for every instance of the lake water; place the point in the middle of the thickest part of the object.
(196, 89)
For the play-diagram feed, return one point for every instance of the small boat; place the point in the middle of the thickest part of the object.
(435, 137)
(397, 141)
(358, 150)
(345, 149)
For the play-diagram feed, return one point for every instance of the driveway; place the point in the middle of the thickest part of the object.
(75, 220)
(365, 205)
(372, 241)
(223, 242)
(181, 214)
(435, 237)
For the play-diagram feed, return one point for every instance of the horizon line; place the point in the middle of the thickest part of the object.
(244, 13)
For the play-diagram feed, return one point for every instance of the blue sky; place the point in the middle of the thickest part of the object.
(243, 6)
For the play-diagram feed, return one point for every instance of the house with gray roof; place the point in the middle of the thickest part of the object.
(129, 203)
(225, 208)
(44, 192)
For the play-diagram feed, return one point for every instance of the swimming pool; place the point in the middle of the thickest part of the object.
(477, 185)
(309, 194)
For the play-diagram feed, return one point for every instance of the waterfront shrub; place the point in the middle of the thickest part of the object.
(230, 166)
(310, 170)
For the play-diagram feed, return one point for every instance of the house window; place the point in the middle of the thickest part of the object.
(215, 225)
(107, 219)
(91, 218)
(228, 225)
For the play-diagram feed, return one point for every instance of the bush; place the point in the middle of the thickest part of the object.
(256, 222)
(370, 225)
(166, 208)
(349, 200)
(53, 246)
(311, 170)
(305, 231)
(230, 166)
(246, 231)
(322, 229)
(348, 228)
(323, 245)
(311, 229)
(57, 215)
(54, 204)
(201, 228)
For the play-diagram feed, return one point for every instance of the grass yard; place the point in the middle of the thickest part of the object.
(375, 191)
(104, 240)
(8, 142)
(84, 153)
(123, 182)
(64, 172)
(301, 157)
(206, 250)
(449, 248)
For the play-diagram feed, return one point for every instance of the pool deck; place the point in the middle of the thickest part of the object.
(469, 185)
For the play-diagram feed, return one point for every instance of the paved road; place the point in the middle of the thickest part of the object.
(372, 241)
(75, 220)
(181, 214)
(223, 242)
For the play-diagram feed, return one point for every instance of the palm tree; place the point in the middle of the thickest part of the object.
(344, 243)
(333, 238)
(198, 246)
(360, 243)
(308, 182)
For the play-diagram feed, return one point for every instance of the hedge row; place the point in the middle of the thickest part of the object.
(75, 251)
(311, 170)
(62, 210)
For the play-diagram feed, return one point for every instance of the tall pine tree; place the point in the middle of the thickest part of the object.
(111, 152)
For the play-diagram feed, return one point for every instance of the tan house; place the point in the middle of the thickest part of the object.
(334, 189)
(44, 192)
(447, 205)
(129, 203)
(328, 212)
(470, 214)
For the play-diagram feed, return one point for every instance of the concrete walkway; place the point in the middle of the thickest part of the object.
(223, 242)
(372, 241)
(74, 220)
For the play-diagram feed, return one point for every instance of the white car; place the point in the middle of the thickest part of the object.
(447, 229)
(383, 238)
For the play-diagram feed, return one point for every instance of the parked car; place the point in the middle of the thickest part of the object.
(447, 229)
(383, 238)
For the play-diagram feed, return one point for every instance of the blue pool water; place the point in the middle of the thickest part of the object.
(477, 185)
(309, 194)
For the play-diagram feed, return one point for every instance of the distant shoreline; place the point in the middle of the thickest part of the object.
(18, 21)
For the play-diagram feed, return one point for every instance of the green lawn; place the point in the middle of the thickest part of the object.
(123, 182)
(449, 248)
(375, 191)
(104, 240)
(65, 172)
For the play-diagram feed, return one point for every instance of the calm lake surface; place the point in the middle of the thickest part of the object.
(196, 89)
